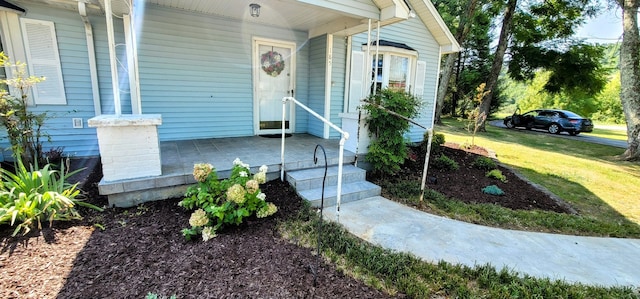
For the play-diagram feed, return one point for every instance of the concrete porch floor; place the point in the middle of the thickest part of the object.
(178, 158)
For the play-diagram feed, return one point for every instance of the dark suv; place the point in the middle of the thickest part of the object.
(552, 120)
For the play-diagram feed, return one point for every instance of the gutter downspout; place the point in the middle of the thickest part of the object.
(93, 69)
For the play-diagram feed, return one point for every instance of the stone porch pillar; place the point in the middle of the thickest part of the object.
(129, 145)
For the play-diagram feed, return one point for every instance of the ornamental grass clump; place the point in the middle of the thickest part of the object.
(29, 197)
(496, 174)
(217, 203)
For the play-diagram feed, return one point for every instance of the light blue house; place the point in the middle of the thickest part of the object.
(194, 69)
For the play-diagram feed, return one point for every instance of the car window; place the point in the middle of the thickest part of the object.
(571, 114)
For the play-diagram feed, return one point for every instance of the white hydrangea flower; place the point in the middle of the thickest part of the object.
(261, 177)
(208, 233)
(264, 168)
(237, 161)
(198, 218)
(252, 186)
(244, 174)
(261, 196)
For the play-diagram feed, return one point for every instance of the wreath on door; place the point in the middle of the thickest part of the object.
(272, 63)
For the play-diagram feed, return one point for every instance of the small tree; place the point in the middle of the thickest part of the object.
(388, 150)
(477, 118)
(23, 126)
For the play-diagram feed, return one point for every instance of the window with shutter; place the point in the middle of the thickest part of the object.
(418, 89)
(43, 60)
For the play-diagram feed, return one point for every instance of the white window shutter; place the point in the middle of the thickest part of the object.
(43, 60)
(357, 79)
(418, 89)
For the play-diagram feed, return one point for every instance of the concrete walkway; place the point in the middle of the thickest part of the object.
(588, 260)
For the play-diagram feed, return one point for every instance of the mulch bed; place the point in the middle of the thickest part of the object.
(141, 250)
(465, 184)
(127, 253)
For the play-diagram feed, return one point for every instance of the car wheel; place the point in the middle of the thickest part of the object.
(509, 124)
(554, 129)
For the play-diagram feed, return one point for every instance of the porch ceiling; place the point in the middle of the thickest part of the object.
(292, 14)
(315, 17)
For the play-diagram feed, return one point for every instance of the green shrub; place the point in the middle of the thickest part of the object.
(29, 197)
(496, 174)
(493, 190)
(151, 295)
(444, 162)
(224, 202)
(403, 189)
(436, 143)
(484, 163)
(23, 127)
(388, 149)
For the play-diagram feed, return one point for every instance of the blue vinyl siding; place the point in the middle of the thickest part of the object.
(196, 70)
(72, 46)
(414, 34)
(317, 70)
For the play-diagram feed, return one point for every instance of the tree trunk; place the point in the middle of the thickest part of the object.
(630, 77)
(461, 34)
(498, 59)
(445, 77)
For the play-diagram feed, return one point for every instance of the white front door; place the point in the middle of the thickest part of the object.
(274, 77)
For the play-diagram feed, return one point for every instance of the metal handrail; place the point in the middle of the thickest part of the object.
(344, 137)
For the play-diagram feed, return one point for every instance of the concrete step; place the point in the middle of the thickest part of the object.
(311, 178)
(350, 192)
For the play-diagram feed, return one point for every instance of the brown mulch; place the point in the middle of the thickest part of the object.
(141, 250)
(465, 184)
(127, 253)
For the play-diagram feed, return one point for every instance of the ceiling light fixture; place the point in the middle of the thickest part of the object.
(255, 10)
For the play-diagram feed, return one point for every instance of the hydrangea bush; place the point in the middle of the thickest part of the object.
(221, 202)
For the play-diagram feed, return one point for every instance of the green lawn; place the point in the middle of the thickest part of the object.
(617, 132)
(586, 175)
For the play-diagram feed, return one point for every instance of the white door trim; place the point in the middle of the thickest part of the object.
(256, 42)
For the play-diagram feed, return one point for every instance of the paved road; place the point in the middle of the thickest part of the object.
(582, 137)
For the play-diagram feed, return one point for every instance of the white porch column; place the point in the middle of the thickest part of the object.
(131, 42)
(129, 145)
(111, 40)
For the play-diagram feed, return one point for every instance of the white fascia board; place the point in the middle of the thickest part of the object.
(396, 11)
(434, 22)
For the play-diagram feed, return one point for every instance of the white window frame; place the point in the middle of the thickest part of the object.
(51, 91)
(386, 52)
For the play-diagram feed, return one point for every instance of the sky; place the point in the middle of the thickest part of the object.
(606, 28)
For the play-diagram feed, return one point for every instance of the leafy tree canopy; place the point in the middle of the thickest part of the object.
(541, 40)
